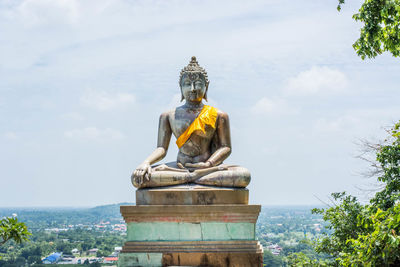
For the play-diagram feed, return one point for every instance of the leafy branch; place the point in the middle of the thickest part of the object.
(11, 229)
(381, 28)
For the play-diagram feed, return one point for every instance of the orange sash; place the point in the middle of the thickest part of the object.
(208, 115)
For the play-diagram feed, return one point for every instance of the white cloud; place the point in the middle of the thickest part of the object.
(106, 101)
(37, 12)
(360, 122)
(317, 80)
(343, 123)
(93, 133)
(267, 106)
(10, 135)
(73, 116)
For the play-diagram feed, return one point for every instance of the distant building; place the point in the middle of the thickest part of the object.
(53, 258)
(275, 249)
(110, 259)
(116, 252)
(93, 251)
(75, 251)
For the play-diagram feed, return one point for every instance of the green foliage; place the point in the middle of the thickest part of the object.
(34, 259)
(367, 235)
(380, 244)
(289, 228)
(11, 229)
(300, 259)
(61, 230)
(339, 7)
(388, 157)
(271, 260)
(342, 223)
(381, 28)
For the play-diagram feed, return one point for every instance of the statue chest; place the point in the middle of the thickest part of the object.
(180, 125)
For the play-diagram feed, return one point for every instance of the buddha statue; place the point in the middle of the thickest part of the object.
(203, 139)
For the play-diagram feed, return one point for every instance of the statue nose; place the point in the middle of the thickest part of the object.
(192, 87)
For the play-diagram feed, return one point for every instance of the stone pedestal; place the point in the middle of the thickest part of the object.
(191, 194)
(186, 232)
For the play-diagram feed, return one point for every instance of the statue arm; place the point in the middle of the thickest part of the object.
(224, 136)
(164, 137)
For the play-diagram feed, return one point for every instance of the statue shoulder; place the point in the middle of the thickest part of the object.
(222, 115)
(167, 114)
(165, 117)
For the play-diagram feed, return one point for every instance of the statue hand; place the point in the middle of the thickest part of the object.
(199, 165)
(142, 173)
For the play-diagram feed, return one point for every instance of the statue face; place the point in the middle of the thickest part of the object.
(193, 87)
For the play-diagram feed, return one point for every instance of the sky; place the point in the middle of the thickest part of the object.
(82, 85)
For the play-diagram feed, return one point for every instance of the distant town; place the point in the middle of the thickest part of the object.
(95, 236)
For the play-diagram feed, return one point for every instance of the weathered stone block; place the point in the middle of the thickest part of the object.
(191, 213)
(181, 231)
(193, 253)
(224, 259)
(140, 259)
(191, 194)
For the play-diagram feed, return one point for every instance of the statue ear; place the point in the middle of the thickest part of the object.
(180, 85)
(205, 94)
(182, 97)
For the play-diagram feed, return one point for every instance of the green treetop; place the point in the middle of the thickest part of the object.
(381, 28)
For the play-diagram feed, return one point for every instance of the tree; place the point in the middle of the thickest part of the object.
(271, 260)
(381, 28)
(35, 259)
(10, 228)
(388, 158)
(20, 261)
(380, 244)
(31, 251)
(300, 259)
(366, 235)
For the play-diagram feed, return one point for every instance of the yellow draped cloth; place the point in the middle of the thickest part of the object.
(208, 115)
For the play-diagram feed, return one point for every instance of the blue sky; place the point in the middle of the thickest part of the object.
(82, 84)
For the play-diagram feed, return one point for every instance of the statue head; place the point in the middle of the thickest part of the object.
(193, 81)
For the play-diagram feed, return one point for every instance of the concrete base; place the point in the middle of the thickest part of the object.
(191, 213)
(206, 259)
(191, 235)
(191, 194)
(193, 246)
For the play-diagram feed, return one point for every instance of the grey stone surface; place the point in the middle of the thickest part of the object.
(191, 194)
